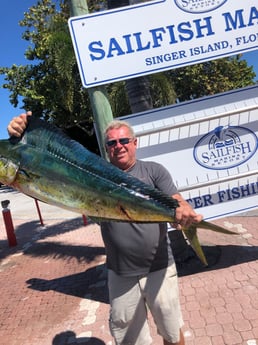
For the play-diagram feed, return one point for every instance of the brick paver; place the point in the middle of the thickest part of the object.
(54, 290)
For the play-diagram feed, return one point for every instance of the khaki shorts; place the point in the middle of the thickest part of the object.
(131, 297)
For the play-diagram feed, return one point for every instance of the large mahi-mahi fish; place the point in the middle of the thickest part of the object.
(49, 166)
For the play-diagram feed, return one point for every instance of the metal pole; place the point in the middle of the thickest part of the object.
(78, 7)
(39, 213)
(101, 108)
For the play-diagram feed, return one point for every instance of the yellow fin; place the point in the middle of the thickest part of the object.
(191, 235)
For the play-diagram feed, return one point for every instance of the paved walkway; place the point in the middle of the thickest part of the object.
(54, 291)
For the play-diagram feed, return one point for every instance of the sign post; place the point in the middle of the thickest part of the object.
(99, 101)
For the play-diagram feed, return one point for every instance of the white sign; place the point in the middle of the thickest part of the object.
(160, 35)
(209, 146)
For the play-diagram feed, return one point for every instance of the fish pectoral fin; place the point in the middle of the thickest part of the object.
(27, 176)
(95, 220)
(24, 173)
(191, 235)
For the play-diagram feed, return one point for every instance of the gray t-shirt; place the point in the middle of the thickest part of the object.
(134, 248)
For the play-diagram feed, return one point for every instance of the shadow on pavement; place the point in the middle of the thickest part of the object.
(69, 337)
(56, 250)
(29, 228)
(218, 257)
(91, 284)
(6, 189)
(85, 283)
(31, 232)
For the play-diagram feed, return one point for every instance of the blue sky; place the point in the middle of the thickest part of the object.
(13, 48)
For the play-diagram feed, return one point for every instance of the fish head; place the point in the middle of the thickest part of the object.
(8, 171)
(8, 165)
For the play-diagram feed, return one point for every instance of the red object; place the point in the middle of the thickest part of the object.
(39, 213)
(9, 227)
(85, 222)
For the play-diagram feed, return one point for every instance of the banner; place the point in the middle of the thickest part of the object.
(155, 36)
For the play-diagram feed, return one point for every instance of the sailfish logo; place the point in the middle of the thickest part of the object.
(223, 136)
(199, 6)
(225, 147)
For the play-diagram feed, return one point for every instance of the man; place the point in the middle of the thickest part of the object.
(141, 269)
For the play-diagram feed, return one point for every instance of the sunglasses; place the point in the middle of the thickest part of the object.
(122, 141)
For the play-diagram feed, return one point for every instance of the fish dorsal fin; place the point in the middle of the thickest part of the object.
(49, 138)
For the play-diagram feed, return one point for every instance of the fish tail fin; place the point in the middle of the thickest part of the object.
(210, 226)
(191, 235)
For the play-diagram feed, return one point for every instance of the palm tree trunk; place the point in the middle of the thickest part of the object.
(138, 89)
(139, 95)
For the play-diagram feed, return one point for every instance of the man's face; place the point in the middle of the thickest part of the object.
(121, 154)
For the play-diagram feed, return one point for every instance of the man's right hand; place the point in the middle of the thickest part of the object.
(18, 124)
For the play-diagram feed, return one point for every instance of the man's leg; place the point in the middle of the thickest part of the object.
(128, 314)
(181, 341)
(162, 296)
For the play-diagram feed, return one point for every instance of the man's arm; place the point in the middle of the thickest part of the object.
(18, 124)
(185, 214)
